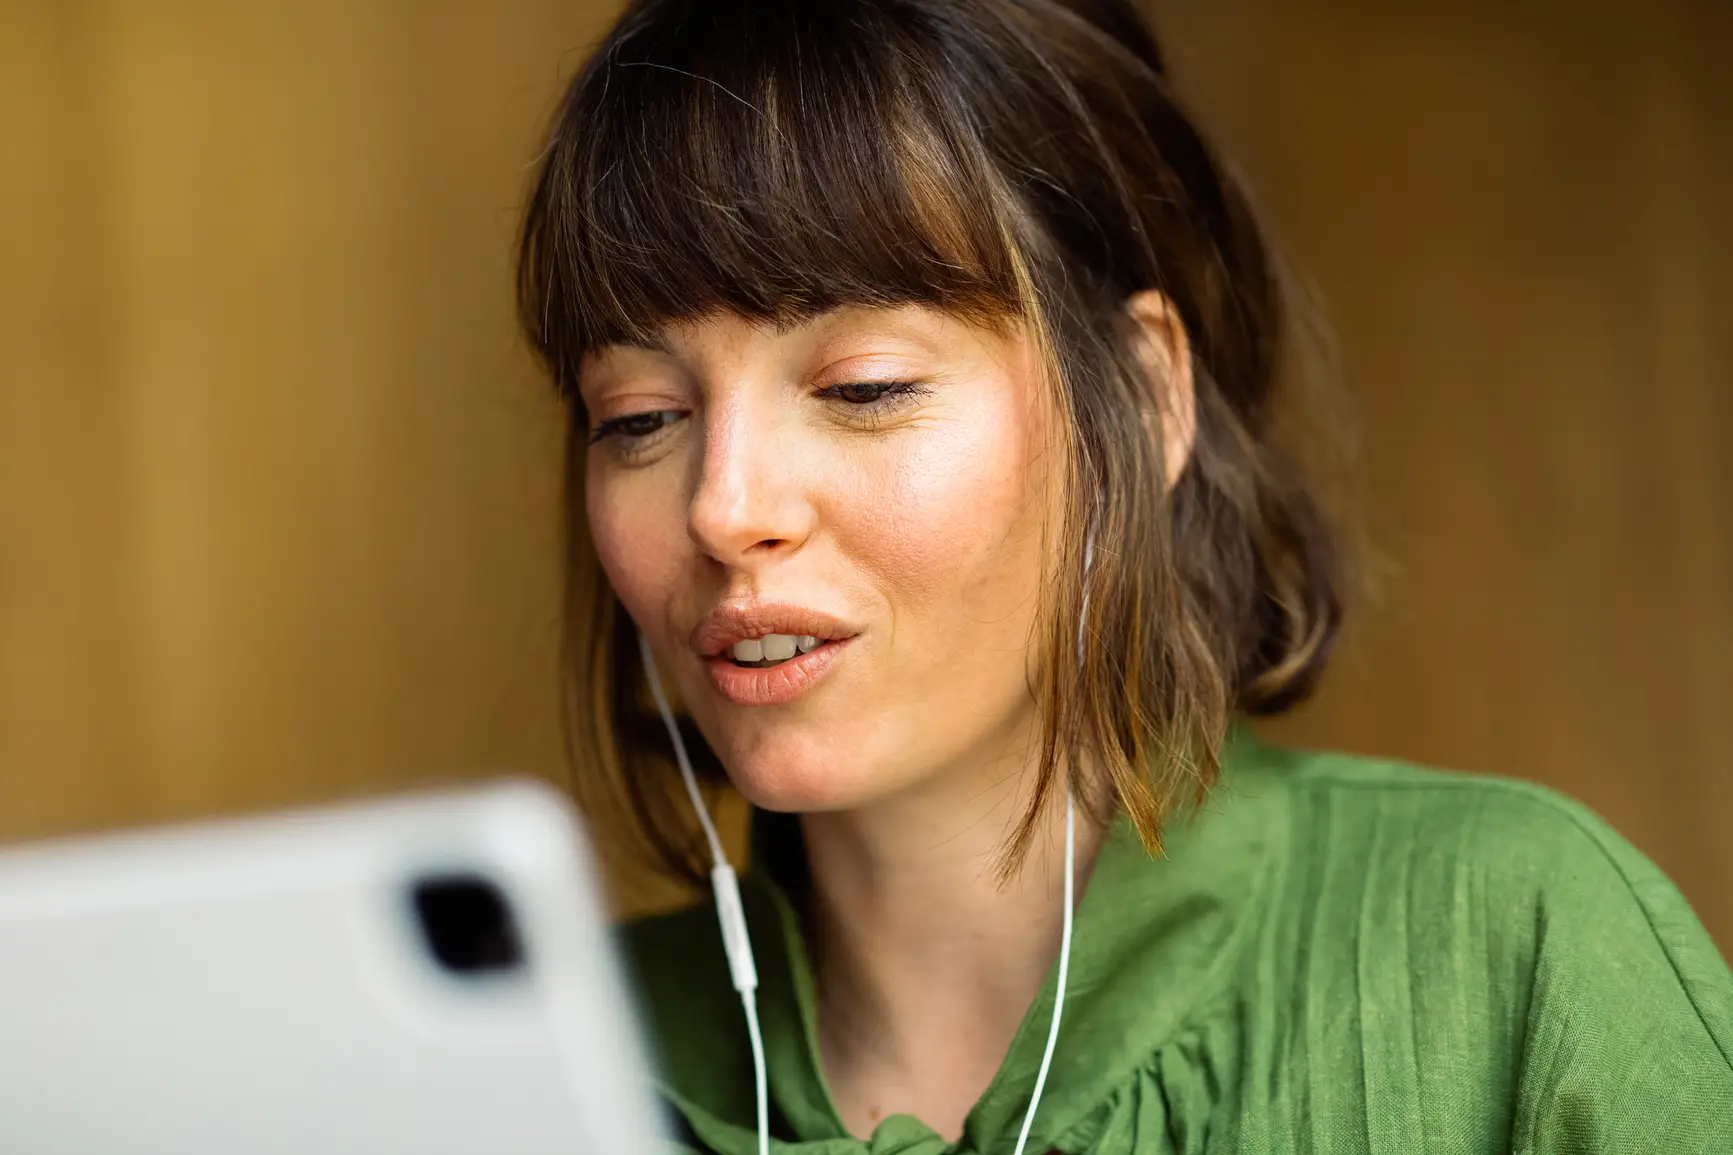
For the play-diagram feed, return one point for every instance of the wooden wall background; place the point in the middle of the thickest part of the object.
(1519, 217)
(277, 511)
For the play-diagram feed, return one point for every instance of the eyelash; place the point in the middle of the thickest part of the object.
(889, 395)
(617, 426)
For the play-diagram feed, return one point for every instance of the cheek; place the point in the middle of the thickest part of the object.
(958, 531)
(636, 522)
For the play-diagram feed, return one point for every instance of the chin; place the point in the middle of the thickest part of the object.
(788, 775)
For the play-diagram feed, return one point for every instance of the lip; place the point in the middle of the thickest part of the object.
(775, 685)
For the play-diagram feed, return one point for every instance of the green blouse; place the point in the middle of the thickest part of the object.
(1335, 955)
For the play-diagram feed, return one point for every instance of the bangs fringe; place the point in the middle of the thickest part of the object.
(694, 184)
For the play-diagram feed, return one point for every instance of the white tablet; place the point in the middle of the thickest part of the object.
(431, 975)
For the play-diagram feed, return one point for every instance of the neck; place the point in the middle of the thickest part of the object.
(926, 960)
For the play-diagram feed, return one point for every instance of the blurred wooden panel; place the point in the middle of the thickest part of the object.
(277, 483)
(277, 505)
(1518, 217)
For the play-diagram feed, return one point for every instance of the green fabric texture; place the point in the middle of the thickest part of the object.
(1335, 955)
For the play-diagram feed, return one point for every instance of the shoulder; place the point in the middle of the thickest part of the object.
(689, 1008)
(694, 1017)
(1517, 838)
(677, 967)
(1492, 949)
(647, 940)
(1482, 873)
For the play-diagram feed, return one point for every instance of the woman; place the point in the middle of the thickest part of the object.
(922, 369)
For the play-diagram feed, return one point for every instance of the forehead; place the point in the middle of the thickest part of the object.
(847, 329)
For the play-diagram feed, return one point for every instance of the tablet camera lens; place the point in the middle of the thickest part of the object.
(467, 925)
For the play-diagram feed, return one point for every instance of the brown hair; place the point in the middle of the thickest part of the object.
(1007, 160)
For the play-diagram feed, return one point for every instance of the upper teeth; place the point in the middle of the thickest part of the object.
(773, 647)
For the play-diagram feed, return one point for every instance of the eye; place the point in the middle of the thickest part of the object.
(863, 394)
(635, 426)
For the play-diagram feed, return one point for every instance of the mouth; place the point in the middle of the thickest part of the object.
(764, 654)
(773, 680)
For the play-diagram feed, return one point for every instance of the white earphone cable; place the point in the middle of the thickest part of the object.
(717, 855)
(1070, 874)
(1064, 968)
(736, 941)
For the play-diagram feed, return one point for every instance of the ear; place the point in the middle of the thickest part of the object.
(1163, 352)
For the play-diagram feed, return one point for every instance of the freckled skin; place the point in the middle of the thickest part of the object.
(919, 521)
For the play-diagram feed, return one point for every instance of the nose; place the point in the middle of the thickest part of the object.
(749, 506)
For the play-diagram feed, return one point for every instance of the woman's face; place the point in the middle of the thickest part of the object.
(879, 481)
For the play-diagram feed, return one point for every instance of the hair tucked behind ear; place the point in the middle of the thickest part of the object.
(1018, 161)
